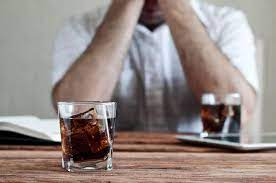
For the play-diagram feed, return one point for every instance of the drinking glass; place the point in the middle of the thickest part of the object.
(87, 135)
(220, 114)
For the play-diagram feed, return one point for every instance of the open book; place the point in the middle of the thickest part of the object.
(28, 129)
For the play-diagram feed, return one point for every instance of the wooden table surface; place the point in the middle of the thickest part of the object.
(141, 157)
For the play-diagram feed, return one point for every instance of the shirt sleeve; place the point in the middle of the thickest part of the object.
(71, 42)
(237, 42)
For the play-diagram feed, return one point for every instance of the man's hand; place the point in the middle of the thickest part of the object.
(206, 68)
(94, 75)
(175, 3)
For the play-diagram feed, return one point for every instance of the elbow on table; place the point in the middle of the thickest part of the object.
(249, 105)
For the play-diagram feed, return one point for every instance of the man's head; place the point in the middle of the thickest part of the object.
(151, 15)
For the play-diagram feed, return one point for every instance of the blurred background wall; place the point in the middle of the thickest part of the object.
(28, 29)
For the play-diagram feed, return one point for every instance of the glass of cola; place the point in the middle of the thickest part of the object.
(220, 114)
(87, 135)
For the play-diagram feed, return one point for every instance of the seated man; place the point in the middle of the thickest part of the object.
(156, 58)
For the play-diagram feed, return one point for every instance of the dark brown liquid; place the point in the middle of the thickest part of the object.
(221, 118)
(85, 139)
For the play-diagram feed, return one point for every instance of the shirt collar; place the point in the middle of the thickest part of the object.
(145, 31)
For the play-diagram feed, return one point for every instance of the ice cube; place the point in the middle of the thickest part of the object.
(85, 115)
(97, 139)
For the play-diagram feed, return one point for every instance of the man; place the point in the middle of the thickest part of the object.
(156, 58)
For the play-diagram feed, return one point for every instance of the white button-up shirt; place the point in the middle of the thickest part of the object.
(152, 92)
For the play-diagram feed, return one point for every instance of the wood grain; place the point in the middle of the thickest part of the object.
(195, 164)
(134, 142)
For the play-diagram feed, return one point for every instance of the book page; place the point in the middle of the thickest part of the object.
(47, 129)
(52, 129)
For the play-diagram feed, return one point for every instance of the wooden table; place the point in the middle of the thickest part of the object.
(141, 157)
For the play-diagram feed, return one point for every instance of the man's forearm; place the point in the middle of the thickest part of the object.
(206, 68)
(95, 74)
